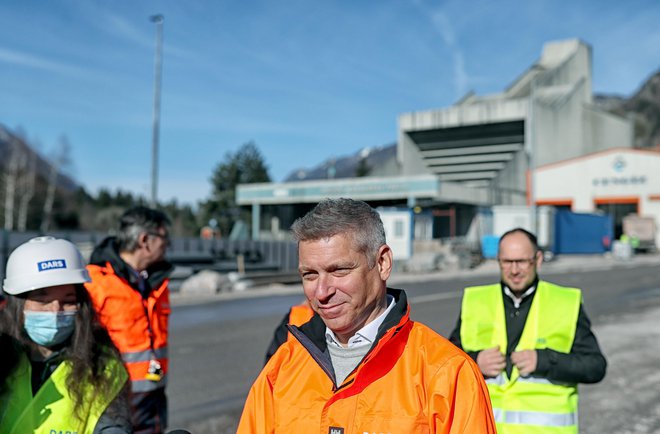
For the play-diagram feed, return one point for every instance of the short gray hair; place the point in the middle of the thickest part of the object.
(137, 220)
(347, 217)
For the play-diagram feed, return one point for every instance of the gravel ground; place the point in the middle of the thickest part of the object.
(627, 401)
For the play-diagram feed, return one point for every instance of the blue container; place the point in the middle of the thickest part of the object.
(582, 233)
(489, 246)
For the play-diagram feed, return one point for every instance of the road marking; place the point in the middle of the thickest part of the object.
(435, 297)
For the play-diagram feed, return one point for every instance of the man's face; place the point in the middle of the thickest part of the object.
(156, 244)
(339, 284)
(518, 262)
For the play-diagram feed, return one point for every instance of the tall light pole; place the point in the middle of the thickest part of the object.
(158, 68)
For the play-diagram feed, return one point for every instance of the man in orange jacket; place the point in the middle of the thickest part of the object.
(298, 315)
(130, 295)
(361, 365)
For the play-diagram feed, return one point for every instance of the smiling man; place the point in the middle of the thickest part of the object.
(532, 341)
(361, 365)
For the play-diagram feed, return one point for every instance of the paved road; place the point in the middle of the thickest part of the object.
(217, 347)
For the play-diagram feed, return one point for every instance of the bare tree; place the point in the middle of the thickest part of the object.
(28, 182)
(61, 158)
(12, 170)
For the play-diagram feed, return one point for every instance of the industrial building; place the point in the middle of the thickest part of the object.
(617, 182)
(453, 162)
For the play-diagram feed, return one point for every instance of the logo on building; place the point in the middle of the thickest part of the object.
(619, 164)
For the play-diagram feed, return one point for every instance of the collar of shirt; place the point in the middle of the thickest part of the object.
(516, 300)
(367, 334)
(140, 277)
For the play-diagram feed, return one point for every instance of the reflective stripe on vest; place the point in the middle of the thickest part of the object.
(144, 356)
(551, 323)
(139, 386)
(53, 403)
(535, 418)
(500, 380)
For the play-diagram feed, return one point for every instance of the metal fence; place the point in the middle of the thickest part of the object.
(274, 255)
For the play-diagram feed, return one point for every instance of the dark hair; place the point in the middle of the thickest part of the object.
(89, 350)
(530, 236)
(137, 220)
(343, 216)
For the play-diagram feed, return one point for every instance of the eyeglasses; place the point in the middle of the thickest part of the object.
(165, 237)
(522, 264)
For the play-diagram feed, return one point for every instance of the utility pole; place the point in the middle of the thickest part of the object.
(530, 151)
(158, 20)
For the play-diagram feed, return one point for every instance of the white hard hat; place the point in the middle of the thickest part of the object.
(44, 262)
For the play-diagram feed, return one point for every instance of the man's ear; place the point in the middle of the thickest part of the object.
(538, 260)
(142, 239)
(384, 261)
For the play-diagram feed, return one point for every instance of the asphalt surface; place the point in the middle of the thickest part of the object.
(218, 341)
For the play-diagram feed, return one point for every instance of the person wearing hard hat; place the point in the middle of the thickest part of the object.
(129, 290)
(65, 374)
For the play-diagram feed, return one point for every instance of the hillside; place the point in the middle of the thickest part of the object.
(27, 201)
(10, 142)
(643, 106)
(370, 161)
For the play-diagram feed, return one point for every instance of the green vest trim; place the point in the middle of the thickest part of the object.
(52, 408)
(526, 404)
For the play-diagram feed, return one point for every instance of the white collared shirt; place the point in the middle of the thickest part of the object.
(516, 300)
(367, 334)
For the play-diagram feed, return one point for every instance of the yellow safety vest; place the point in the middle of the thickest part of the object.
(51, 410)
(526, 405)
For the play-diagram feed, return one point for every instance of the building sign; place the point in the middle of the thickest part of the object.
(619, 165)
(362, 188)
(607, 181)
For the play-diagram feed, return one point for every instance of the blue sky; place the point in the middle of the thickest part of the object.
(305, 80)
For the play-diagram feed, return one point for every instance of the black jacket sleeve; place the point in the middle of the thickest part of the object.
(116, 419)
(279, 337)
(584, 364)
(455, 338)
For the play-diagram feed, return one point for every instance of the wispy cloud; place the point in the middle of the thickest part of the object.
(17, 58)
(442, 25)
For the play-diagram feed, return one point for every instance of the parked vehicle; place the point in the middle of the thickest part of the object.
(640, 232)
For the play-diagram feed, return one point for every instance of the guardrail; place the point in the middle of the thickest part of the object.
(222, 254)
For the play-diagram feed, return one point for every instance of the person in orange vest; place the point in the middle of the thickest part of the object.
(532, 341)
(129, 290)
(58, 363)
(361, 364)
(298, 315)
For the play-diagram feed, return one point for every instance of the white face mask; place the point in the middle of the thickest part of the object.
(49, 328)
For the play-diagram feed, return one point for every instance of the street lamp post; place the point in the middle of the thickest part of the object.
(158, 20)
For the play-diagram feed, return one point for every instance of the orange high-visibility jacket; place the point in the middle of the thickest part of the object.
(137, 325)
(411, 381)
(300, 314)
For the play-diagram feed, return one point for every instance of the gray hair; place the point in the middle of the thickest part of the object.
(347, 217)
(136, 221)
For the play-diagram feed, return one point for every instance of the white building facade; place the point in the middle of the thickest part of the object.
(616, 181)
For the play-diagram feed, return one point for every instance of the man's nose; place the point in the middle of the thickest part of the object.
(324, 288)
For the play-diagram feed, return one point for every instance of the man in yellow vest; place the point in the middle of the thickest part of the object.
(532, 341)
